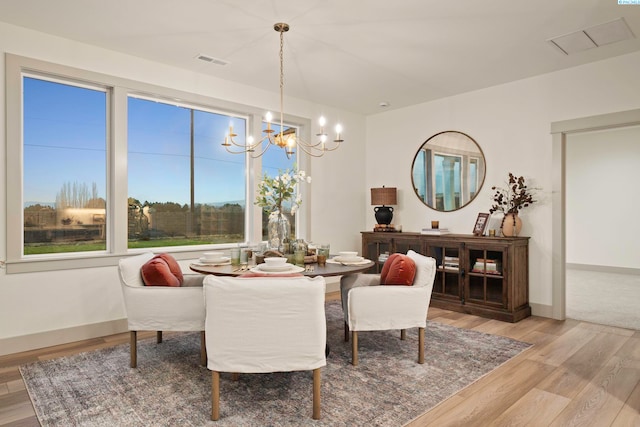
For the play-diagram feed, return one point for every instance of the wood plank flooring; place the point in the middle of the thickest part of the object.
(576, 374)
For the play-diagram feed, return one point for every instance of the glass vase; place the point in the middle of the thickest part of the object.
(278, 230)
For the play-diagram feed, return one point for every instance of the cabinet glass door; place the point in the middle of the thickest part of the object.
(447, 281)
(486, 283)
(372, 251)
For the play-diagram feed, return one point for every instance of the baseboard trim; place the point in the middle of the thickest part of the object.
(603, 268)
(542, 310)
(61, 336)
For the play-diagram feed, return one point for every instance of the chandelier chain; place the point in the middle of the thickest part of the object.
(281, 79)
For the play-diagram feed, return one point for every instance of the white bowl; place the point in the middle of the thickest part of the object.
(271, 261)
(348, 255)
(213, 256)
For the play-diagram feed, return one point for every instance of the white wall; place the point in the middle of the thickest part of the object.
(511, 123)
(34, 305)
(603, 171)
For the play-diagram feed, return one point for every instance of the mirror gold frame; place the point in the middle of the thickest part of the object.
(448, 171)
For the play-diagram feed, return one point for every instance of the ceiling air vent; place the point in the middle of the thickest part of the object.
(211, 59)
(596, 36)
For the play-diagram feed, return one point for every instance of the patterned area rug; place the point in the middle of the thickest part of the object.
(170, 388)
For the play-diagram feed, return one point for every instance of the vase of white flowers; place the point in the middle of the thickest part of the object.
(275, 195)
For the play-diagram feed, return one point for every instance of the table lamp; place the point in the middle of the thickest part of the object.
(384, 196)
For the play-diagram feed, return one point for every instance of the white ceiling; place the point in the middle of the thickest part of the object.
(351, 54)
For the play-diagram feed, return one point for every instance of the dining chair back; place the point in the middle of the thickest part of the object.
(264, 325)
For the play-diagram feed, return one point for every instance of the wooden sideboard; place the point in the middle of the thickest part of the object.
(480, 275)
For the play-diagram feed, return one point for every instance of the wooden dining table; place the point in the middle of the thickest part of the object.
(327, 270)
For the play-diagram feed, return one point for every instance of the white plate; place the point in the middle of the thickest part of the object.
(290, 269)
(353, 259)
(361, 262)
(274, 268)
(222, 261)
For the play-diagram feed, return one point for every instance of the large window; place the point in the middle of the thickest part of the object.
(65, 158)
(184, 188)
(105, 165)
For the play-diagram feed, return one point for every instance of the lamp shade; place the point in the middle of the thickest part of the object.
(384, 196)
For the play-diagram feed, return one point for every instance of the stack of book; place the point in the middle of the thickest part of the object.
(387, 228)
(489, 266)
(451, 263)
(435, 231)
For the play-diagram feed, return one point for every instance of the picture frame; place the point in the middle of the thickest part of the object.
(481, 224)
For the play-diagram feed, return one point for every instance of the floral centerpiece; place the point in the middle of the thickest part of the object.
(274, 195)
(510, 200)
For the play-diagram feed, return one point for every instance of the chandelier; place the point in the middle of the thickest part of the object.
(285, 139)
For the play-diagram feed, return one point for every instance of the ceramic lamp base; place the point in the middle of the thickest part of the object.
(384, 214)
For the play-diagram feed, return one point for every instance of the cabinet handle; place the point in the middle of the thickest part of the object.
(462, 272)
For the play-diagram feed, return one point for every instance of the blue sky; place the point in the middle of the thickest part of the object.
(65, 141)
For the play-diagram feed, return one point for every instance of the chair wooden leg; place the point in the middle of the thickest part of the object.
(316, 393)
(203, 349)
(346, 332)
(354, 348)
(421, 345)
(133, 347)
(235, 376)
(215, 395)
(158, 337)
(403, 334)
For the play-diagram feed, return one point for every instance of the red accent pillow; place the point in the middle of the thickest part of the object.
(158, 272)
(398, 269)
(173, 266)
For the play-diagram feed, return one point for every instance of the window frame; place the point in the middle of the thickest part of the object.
(119, 89)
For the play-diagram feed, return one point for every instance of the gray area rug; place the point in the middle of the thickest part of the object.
(170, 388)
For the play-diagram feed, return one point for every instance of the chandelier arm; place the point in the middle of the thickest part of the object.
(264, 150)
(333, 148)
(310, 151)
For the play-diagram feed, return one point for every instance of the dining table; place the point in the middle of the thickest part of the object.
(331, 268)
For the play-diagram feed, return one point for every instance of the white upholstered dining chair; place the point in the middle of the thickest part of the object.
(160, 308)
(370, 306)
(264, 325)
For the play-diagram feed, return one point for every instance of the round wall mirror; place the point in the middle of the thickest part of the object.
(448, 171)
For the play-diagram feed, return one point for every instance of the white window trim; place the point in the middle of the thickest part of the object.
(120, 88)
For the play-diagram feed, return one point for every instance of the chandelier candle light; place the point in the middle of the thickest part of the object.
(285, 139)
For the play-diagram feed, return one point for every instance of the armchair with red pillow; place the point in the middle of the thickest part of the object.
(158, 297)
(375, 302)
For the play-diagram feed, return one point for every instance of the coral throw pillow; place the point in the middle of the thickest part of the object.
(162, 270)
(398, 269)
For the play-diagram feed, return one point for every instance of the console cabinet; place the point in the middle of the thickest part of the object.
(480, 275)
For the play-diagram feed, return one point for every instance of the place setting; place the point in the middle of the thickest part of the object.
(276, 265)
(348, 258)
(213, 259)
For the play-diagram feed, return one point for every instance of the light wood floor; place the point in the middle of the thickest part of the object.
(576, 374)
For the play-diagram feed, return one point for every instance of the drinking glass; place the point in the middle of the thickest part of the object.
(235, 256)
(298, 256)
(322, 254)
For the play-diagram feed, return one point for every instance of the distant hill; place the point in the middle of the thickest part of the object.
(51, 204)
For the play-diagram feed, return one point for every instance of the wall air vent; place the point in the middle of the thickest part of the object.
(211, 59)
